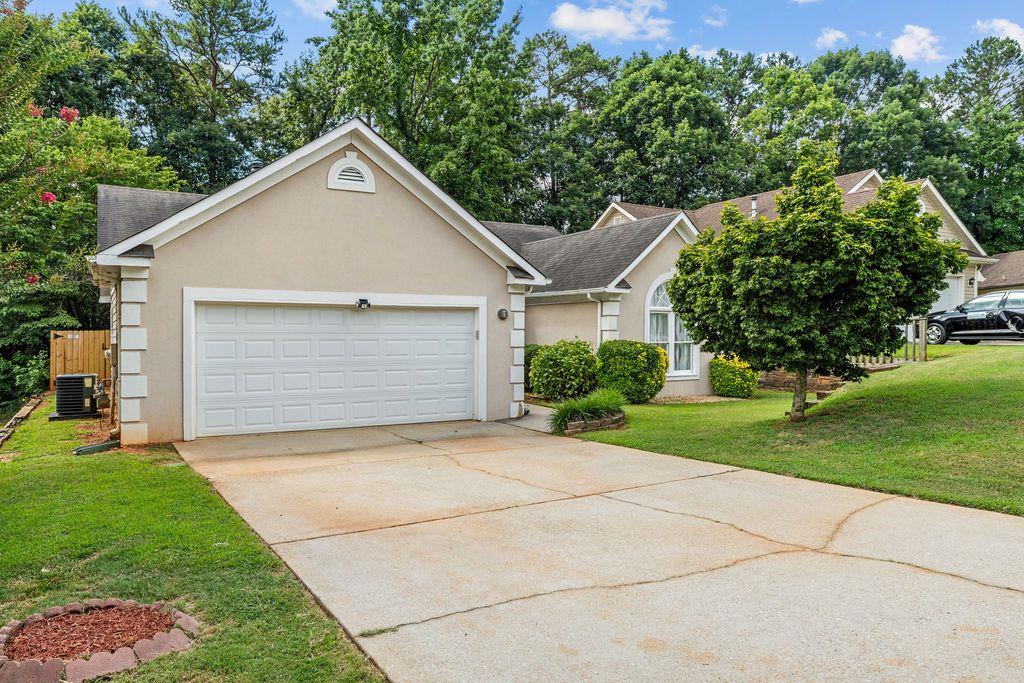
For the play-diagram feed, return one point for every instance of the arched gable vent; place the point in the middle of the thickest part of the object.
(350, 173)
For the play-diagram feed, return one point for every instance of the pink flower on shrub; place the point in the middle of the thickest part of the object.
(40, 170)
(69, 114)
(32, 279)
(35, 110)
(48, 198)
(7, 11)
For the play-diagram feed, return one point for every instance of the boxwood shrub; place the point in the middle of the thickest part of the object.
(565, 369)
(634, 369)
(732, 377)
(528, 353)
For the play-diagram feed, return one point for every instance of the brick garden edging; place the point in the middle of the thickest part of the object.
(7, 431)
(613, 421)
(100, 663)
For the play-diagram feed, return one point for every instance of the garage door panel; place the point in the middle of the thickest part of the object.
(271, 368)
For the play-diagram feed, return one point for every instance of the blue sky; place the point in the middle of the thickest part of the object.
(928, 34)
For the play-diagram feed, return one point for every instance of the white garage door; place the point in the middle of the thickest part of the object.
(950, 297)
(265, 368)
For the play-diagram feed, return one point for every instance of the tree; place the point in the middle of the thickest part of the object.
(993, 205)
(991, 69)
(788, 107)
(197, 78)
(443, 82)
(815, 286)
(569, 85)
(95, 83)
(663, 139)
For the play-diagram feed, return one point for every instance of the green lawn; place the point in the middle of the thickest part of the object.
(950, 430)
(146, 527)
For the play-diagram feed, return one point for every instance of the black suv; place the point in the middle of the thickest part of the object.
(993, 316)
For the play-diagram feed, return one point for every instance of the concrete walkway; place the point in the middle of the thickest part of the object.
(486, 552)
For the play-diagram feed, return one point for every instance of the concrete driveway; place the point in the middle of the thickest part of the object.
(485, 552)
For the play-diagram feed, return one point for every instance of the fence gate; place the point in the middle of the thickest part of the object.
(79, 351)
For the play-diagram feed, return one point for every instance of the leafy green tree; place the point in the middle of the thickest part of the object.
(570, 84)
(443, 82)
(993, 203)
(95, 83)
(197, 78)
(664, 140)
(788, 107)
(990, 69)
(815, 286)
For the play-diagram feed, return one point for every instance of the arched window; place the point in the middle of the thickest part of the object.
(665, 329)
(350, 173)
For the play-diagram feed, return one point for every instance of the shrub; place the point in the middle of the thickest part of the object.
(634, 369)
(528, 353)
(732, 377)
(566, 369)
(593, 406)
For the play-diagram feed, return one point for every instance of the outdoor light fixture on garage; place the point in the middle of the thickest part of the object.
(363, 304)
(970, 282)
(502, 314)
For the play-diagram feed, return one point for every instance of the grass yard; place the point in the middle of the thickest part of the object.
(144, 526)
(950, 430)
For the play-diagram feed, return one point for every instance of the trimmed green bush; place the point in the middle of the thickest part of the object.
(565, 369)
(528, 353)
(634, 369)
(593, 406)
(732, 377)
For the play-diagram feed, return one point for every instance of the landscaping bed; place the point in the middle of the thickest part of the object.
(144, 526)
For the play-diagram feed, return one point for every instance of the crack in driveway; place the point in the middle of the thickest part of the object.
(574, 589)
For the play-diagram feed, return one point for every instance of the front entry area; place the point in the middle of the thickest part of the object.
(269, 368)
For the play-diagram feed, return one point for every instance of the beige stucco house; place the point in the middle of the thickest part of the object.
(340, 287)
(336, 287)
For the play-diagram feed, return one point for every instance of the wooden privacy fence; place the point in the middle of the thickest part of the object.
(79, 351)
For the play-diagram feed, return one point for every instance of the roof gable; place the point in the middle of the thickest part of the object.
(599, 259)
(354, 132)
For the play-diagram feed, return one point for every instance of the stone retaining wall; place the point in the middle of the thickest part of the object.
(613, 421)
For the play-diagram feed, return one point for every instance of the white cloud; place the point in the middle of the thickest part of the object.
(1004, 28)
(701, 51)
(917, 44)
(614, 20)
(316, 8)
(829, 38)
(716, 16)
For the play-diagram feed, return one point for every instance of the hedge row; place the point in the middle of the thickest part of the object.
(569, 369)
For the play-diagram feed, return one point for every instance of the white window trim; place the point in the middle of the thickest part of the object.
(351, 160)
(197, 295)
(695, 372)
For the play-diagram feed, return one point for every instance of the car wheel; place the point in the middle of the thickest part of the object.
(936, 334)
(970, 342)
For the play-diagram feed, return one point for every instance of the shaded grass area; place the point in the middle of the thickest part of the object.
(145, 527)
(950, 430)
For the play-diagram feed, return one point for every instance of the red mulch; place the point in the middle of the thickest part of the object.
(69, 636)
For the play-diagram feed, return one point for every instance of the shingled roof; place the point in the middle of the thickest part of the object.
(592, 259)
(516, 235)
(1008, 272)
(640, 211)
(710, 216)
(122, 212)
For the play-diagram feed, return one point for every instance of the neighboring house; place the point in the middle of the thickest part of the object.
(336, 287)
(1006, 274)
(608, 282)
